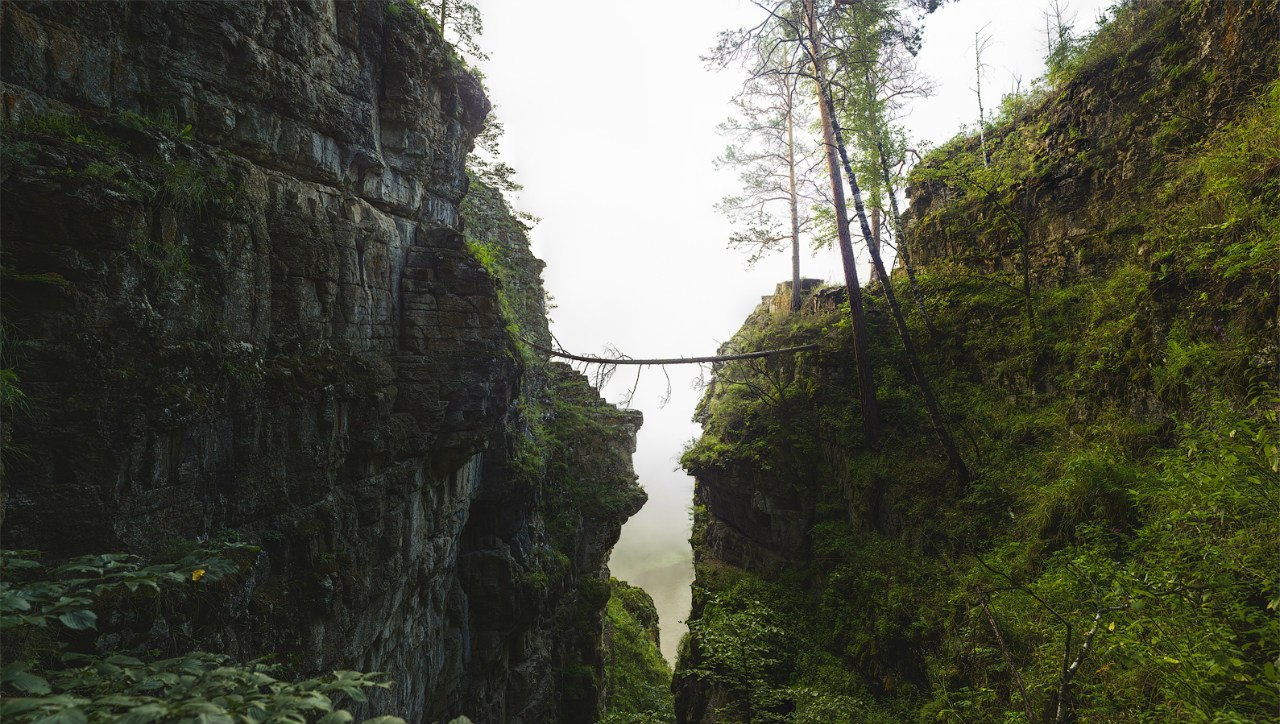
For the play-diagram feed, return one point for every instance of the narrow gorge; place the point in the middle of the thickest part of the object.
(286, 434)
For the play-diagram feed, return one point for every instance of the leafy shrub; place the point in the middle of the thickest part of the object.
(1095, 489)
(47, 678)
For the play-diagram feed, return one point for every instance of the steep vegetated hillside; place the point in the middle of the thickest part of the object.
(1104, 295)
(637, 678)
(256, 324)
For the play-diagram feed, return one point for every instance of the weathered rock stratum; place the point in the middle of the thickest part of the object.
(239, 302)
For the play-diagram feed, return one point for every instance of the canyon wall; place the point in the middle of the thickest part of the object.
(239, 304)
(1100, 284)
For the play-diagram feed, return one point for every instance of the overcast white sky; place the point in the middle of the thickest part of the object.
(610, 117)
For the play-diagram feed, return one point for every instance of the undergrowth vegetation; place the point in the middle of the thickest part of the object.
(80, 647)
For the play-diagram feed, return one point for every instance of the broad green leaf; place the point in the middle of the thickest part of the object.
(145, 714)
(11, 706)
(13, 601)
(67, 716)
(17, 676)
(79, 620)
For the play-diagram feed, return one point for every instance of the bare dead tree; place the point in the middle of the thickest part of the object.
(1059, 24)
(981, 43)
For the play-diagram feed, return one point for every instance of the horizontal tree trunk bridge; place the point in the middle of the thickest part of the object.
(670, 360)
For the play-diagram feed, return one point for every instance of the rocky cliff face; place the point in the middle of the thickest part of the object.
(1147, 93)
(1102, 339)
(747, 515)
(558, 485)
(239, 303)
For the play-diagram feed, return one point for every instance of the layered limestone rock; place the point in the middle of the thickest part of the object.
(1145, 95)
(239, 303)
(564, 454)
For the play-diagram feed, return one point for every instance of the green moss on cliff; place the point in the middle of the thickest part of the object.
(637, 679)
(572, 450)
(1124, 436)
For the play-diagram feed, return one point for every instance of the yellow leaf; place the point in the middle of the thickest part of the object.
(197, 574)
(1111, 626)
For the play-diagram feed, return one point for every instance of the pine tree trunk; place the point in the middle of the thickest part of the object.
(835, 143)
(866, 383)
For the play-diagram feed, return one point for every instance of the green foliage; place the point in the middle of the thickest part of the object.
(773, 150)
(186, 186)
(114, 176)
(119, 150)
(568, 441)
(637, 679)
(165, 123)
(587, 452)
(484, 163)
(758, 412)
(458, 21)
(1223, 230)
(71, 589)
(65, 129)
(571, 451)
(194, 687)
(46, 677)
(167, 259)
(11, 395)
(1095, 488)
(744, 647)
(498, 238)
